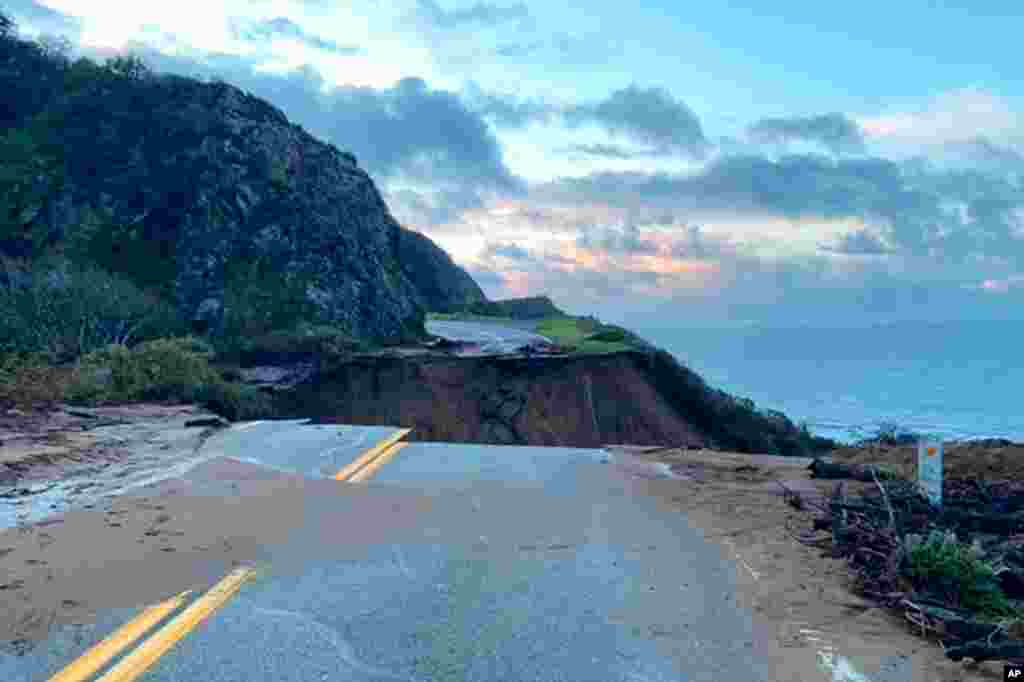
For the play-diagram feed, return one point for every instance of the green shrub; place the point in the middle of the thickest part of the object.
(952, 570)
(260, 298)
(609, 335)
(25, 180)
(64, 310)
(891, 434)
(565, 331)
(173, 370)
(235, 402)
(730, 423)
(163, 369)
(587, 335)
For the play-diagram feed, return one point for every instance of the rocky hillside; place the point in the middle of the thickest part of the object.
(206, 196)
(440, 283)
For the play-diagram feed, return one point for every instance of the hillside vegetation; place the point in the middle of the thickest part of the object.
(140, 209)
(526, 308)
(194, 207)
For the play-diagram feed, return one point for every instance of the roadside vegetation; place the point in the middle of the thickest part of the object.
(88, 312)
(956, 572)
(587, 335)
(169, 370)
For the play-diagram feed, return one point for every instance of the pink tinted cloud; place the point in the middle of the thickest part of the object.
(519, 283)
(956, 116)
(1003, 285)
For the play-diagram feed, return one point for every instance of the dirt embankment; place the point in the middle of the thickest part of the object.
(987, 460)
(806, 603)
(578, 400)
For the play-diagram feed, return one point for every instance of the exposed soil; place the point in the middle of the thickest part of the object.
(803, 599)
(578, 401)
(990, 460)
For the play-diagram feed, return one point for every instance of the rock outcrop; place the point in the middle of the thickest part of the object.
(211, 197)
(439, 282)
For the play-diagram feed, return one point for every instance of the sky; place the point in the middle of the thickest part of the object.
(654, 162)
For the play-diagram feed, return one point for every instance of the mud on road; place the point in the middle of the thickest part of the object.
(62, 458)
(64, 473)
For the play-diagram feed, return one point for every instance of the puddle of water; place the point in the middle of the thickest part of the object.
(837, 667)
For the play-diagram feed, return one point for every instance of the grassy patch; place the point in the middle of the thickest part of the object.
(590, 346)
(586, 335)
(953, 570)
(566, 331)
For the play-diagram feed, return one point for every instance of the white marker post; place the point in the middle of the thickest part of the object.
(929, 469)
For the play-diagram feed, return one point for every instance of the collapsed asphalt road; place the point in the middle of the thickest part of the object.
(453, 563)
(486, 337)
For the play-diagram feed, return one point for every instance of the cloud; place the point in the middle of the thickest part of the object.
(984, 153)
(481, 14)
(492, 281)
(509, 251)
(953, 214)
(35, 18)
(1002, 285)
(647, 115)
(958, 116)
(409, 137)
(606, 151)
(693, 243)
(835, 132)
(420, 132)
(507, 111)
(626, 239)
(286, 28)
(521, 49)
(859, 243)
(563, 48)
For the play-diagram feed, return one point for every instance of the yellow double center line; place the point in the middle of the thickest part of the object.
(363, 466)
(141, 659)
(136, 663)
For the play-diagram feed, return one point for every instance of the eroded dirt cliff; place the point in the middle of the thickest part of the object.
(579, 401)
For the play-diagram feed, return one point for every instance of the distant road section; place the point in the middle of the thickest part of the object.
(487, 337)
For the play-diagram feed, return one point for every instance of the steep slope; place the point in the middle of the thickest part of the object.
(208, 196)
(637, 397)
(440, 283)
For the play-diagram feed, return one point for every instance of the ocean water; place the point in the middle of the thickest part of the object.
(960, 380)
